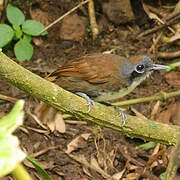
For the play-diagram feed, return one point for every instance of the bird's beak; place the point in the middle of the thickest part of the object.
(159, 67)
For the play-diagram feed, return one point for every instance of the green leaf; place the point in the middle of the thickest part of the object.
(18, 31)
(147, 146)
(14, 119)
(39, 169)
(33, 28)
(10, 152)
(162, 176)
(14, 15)
(27, 38)
(23, 50)
(6, 34)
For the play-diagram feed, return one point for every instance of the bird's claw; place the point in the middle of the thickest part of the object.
(122, 114)
(88, 99)
(90, 104)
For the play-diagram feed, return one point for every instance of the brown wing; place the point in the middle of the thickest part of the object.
(96, 69)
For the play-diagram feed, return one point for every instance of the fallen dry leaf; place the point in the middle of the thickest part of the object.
(96, 166)
(93, 165)
(150, 14)
(86, 171)
(37, 41)
(77, 142)
(132, 176)
(174, 38)
(171, 114)
(59, 123)
(138, 114)
(164, 116)
(175, 118)
(85, 136)
(37, 120)
(173, 78)
(118, 175)
(43, 164)
(155, 109)
(50, 117)
(156, 158)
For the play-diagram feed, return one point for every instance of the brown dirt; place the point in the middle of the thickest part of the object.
(103, 143)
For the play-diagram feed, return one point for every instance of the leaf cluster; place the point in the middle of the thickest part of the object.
(21, 31)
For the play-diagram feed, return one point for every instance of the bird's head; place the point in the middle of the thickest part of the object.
(136, 70)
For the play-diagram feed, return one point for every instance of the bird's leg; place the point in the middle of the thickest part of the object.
(91, 103)
(121, 113)
(89, 100)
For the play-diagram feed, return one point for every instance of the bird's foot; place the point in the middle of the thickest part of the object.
(122, 114)
(89, 100)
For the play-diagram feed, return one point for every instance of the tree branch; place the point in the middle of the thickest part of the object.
(77, 106)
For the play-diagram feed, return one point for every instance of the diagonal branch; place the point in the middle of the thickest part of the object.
(76, 106)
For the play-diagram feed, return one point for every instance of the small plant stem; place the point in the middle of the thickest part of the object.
(8, 98)
(169, 55)
(173, 66)
(169, 22)
(20, 173)
(63, 16)
(173, 162)
(92, 18)
(160, 96)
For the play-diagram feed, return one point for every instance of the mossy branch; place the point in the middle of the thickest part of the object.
(77, 106)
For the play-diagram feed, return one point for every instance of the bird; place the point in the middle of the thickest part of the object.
(92, 75)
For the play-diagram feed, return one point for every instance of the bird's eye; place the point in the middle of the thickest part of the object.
(139, 68)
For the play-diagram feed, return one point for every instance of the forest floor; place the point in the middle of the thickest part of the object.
(102, 148)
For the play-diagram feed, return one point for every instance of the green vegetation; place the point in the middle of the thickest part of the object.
(10, 153)
(20, 31)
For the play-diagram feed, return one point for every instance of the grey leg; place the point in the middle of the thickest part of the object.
(89, 100)
(120, 111)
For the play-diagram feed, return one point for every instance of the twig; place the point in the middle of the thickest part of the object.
(155, 43)
(168, 55)
(173, 66)
(160, 96)
(8, 98)
(85, 163)
(173, 162)
(1, 7)
(149, 31)
(43, 151)
(171, 16)
(64, 15)
(92, 17)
